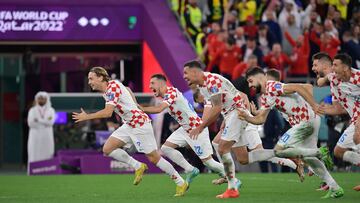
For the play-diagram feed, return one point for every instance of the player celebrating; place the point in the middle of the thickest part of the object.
(136, 128)
(299, 141)
(182, 111)
(225, 99)
(344, 86)
(253, 141)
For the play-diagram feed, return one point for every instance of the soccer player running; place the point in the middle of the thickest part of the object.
(225, 99)
(253, 140)
(136, 129)
(345, 90)
(183, 112)
(300, 141)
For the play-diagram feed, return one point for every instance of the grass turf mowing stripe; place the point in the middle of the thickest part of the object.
(159, 188)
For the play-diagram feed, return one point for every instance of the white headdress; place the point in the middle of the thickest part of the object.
(44, 95)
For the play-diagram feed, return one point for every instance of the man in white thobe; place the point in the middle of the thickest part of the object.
(41, 119)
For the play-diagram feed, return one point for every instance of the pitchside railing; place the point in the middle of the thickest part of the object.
(70, 102)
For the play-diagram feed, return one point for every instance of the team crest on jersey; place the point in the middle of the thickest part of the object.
(277, 86)
(166, 96)
(110, 96)
(214, 89)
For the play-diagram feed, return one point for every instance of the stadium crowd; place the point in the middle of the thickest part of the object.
(231, 36)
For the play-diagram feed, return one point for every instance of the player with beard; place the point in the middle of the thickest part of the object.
(345, 89)
(300, 141)
(224, 99)
(183, 112)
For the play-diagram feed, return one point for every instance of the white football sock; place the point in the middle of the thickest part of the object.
(283, 162)
(320, 170)
(229, 168)
(178, 158)
(297, 153)
(123, 156)
(352, 157)
(260, 155)
(170, 170)
(215, 166)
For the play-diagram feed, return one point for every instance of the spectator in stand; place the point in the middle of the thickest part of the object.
(327, 42)
(309, 15)
(290, 8)
(294, 32)
(340, 24)
(240, 36)
(300, 55)
(231, 22)
(214, 41)
(322, 9)
(273, 25)
(246, 8)
(241, 68)
(311, 18)
(265, 39)
(355, 31)
(277, 59)
(261, 9)
(331, 12)
(250, 28)
(227, 58)
(251, 48)
(330, 28)
(193, 19)
(341, 5)
(216, 10)
(351, 46)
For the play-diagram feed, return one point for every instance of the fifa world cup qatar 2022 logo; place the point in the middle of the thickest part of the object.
(24, 20)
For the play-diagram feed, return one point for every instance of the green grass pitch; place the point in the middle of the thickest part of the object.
(159, 188)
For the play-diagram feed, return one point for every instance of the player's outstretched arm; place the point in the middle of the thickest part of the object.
(214, 111)
(155, 109)
(304, 90)
(83, 116)
(259, 119)
(321, 82)
(211, 115)
(333, 109)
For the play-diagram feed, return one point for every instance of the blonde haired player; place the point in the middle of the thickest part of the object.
(136, 129)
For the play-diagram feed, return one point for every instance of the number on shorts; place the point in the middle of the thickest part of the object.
(285, 137)
(198, 150)
(342, 138)
(225, 131)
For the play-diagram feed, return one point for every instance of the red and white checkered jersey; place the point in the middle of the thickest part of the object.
(293, 107)
(117, 95)
(347, 93)
(180, 109)
(216, 84)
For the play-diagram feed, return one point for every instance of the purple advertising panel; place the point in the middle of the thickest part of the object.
(70, 23)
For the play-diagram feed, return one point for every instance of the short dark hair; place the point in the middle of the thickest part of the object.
(274, 73)
(159, 77)
(194, 64)
(322, 56)
(100, 71)
(253, 71)
(344, 58)
(231, 41)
